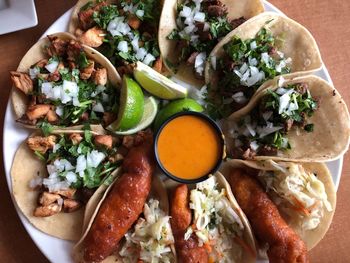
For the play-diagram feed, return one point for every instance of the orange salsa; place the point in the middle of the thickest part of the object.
(189, 147)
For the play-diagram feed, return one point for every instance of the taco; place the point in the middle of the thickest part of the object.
(124, 31)
(149, 239)
(60, 82)
(208, 224)
(189, 30)
(54, 177)
(262, 48)
(296, 118)
(304, 194)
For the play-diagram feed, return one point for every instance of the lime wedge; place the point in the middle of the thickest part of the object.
(157, 84)
(131, 106)
(149, 114)
(175, 107)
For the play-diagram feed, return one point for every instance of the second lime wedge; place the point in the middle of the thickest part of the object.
(157, 84)
(131, 106)
(174, 107)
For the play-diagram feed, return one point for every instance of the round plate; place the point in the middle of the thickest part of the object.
(58, 250)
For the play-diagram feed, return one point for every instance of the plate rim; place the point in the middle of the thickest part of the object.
(56, 245)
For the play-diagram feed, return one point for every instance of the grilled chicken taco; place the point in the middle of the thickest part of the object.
(131, 222)
(303, 193)
(124, 31)
(294, 119)
(54, 177)
(208, 224)
(190, 29)
(60, 82)
(262, 48)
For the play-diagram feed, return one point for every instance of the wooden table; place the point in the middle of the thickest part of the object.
(327, 20)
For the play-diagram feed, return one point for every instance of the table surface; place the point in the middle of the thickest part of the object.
(328, 22)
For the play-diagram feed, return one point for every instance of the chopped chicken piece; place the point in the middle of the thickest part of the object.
(104, 140)
(52, 116)
(37, 111)
(76, 138)
(44, 211)
(70, 205)
(41, 144)
(22, 81)
(86, 72)
(134, 22)
(58, 46)
(47, 198)
(100, 76)
(93, 37)
(69, 193)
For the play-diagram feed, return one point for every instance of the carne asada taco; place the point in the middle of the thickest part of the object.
(60, 82)
(189, 30)
(299, 118)
(54, 177)
(208, 224)
(150, 239)
(303, 192)
(262, 48)
(124, 31)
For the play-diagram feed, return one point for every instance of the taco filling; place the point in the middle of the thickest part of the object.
(66, 88)
(76, 165)
(297, 191)
(245, 65)
(150, 239)
(215, 223)
(264, 131)
(125, 32)
(200, 26)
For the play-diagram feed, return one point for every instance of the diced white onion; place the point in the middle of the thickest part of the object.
(140, 13)
(199, 17)
(51, 67)
(98, 107)
(149, 58)
(123, 46)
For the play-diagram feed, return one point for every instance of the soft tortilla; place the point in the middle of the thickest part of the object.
(331, 136)
(248, 236)
(25, 167)
(36, 53)
(158, 191)
(236, 9)
(74, 20)
(310, 237)
(298, 43)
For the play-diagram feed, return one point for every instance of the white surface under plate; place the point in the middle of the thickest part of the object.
(16, 15)
(58, 250)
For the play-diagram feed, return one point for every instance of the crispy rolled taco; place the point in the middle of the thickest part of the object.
(294, 119)
(208, 224)
(304, 194)
(262, 48)
(190, 29)
(131, 223)
(60, 82)
(54, 177)
(124, 31)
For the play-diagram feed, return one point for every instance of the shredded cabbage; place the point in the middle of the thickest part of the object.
(215, 222)
(151, 237)
(298, 191)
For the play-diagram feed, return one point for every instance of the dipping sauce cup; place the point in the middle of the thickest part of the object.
(189, 146)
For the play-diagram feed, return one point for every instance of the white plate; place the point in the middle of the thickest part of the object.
(57, 250)
(16, 15)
